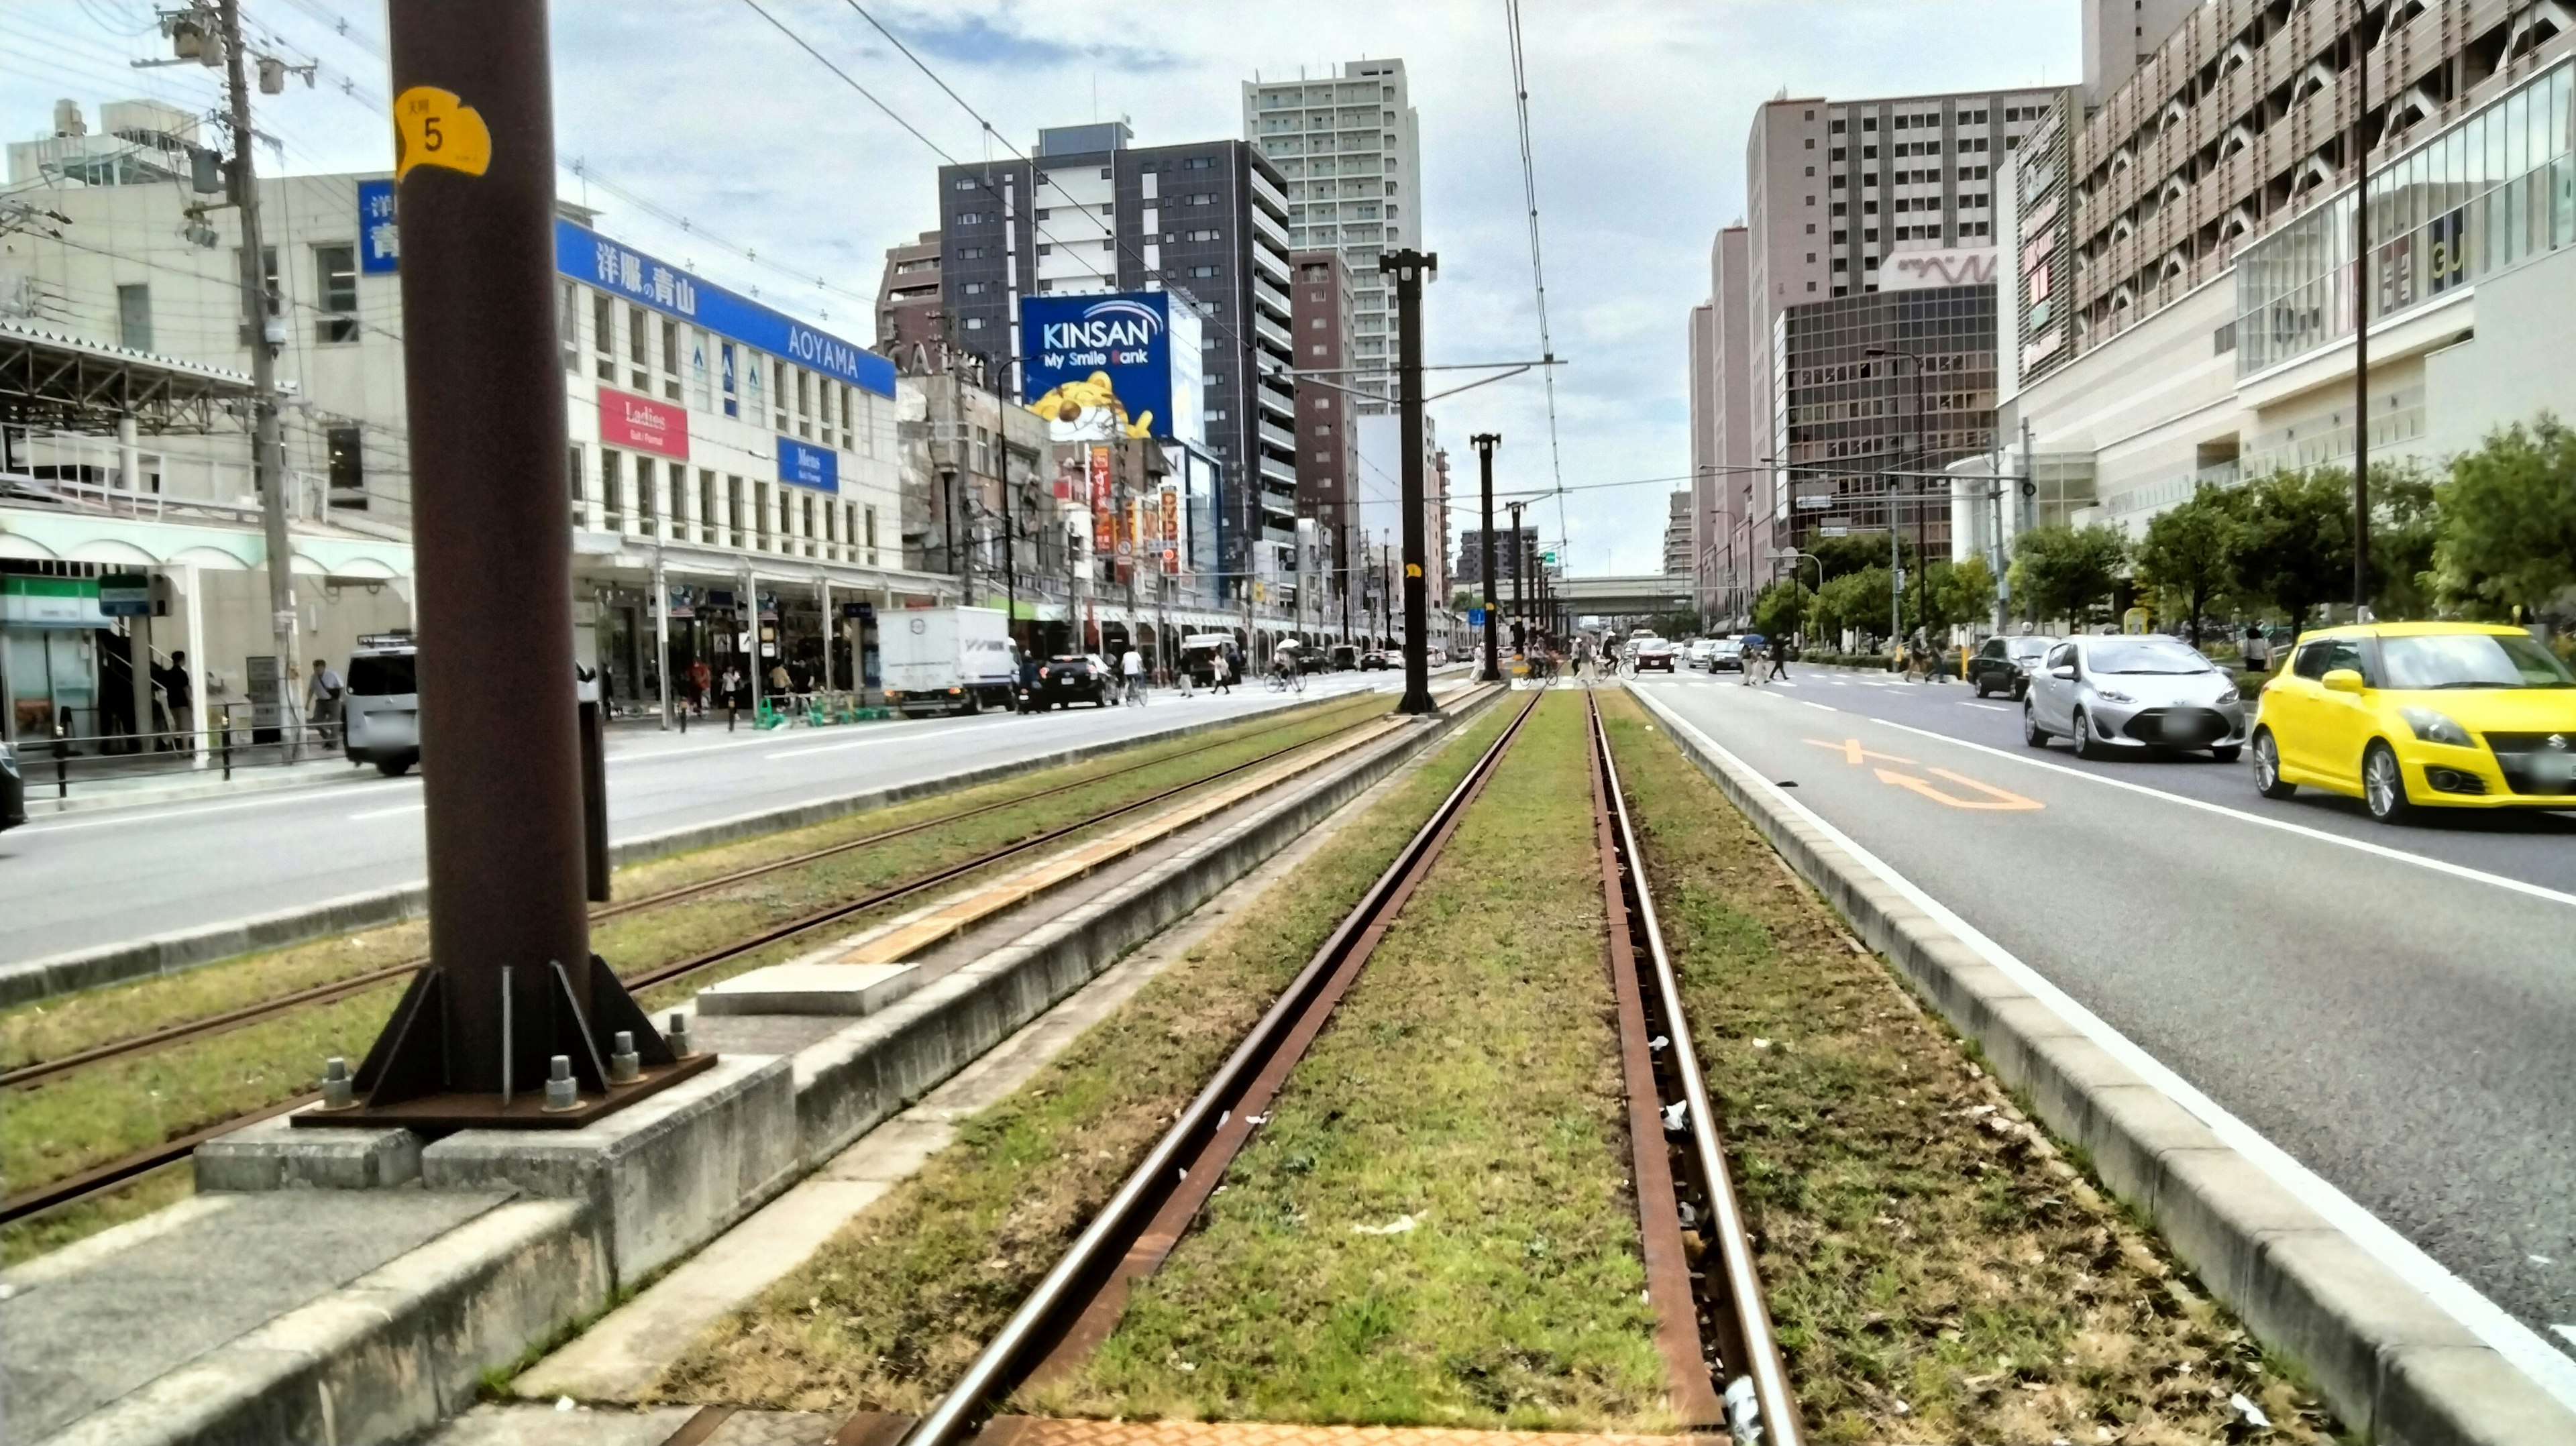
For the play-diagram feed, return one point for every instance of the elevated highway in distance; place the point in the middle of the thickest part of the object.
(1644, 595)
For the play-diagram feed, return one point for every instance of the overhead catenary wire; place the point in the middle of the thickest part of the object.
(1538, 265)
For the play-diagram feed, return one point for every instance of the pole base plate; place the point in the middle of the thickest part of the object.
(525, 1111)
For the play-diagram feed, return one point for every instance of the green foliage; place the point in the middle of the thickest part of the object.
(2066, 572)
(2508, 524)
(1962, 592)
(2405, 526)
(2296, 550)
(2190, 551)
(1854, 600)
(1840, 555)
(1781, 608)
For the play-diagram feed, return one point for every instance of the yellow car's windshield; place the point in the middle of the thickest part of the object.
(2471, 660)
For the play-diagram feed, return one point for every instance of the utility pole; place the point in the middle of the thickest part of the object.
(1411, 269)
(268, 470)
(1485, 443)
(1520, 567)
(2361, 313)
(514, 1023)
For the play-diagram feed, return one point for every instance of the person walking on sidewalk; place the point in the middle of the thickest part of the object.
(1220, 673)
(1779, 653)
(322, 701)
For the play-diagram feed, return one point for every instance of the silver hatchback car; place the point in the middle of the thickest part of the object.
(2121, 694)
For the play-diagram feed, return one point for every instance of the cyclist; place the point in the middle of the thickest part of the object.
(1132, 664)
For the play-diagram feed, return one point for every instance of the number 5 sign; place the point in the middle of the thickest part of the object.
(433, 128)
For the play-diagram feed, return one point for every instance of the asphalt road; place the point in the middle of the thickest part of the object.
(2394, 1008)
(88, 879)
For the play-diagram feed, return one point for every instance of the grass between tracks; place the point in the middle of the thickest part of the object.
(1937, 1270)
(888, 1313)
(1437, 1226)
(76, 1121)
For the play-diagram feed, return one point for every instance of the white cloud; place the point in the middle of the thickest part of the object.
(1638, 117)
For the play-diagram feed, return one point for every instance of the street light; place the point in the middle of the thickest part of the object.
(1922, 564)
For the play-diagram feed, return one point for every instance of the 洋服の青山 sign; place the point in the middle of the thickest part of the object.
(621, 270)
(627, 420)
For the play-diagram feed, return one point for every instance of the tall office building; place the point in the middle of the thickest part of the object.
(1348, 146)
(1841, 197)
(911, 326)
(1327, 444)
(1205, 221)
(1677, 534)
(2119, 35)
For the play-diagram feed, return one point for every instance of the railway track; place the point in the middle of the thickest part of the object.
(1713, 1329)
(111, 1174)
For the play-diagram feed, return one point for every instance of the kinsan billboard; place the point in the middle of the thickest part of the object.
(1124, 364)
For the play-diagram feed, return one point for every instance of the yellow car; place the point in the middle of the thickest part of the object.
(2407, 716)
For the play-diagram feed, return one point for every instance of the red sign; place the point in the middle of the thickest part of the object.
(1103, 520)
(627, 420)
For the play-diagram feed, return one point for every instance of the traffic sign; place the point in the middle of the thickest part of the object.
(1475, 617)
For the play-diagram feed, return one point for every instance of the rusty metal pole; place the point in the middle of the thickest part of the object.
(1411, 269)
(475, 172)
(512, 985)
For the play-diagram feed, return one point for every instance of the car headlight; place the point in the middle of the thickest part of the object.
(2230, 696)
(2434, 727)
(2113, 695)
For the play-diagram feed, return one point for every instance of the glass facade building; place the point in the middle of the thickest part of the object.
(1845, 418)
(2486, 195)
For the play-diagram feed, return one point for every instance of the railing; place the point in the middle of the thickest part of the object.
(63, 758)
(190, 487)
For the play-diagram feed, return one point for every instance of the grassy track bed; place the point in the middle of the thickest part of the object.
(1436, 1226)
(76, 1121)
(1938, 1270)
(888, 1313)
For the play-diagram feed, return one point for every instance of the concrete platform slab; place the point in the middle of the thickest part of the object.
(834, 989)
(73, 1340)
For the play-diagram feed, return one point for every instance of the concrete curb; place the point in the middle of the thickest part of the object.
(388, 1355)
(2396, 1365)
(210, 786)
(35, 979)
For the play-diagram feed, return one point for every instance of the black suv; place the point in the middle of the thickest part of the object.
(1070, 678)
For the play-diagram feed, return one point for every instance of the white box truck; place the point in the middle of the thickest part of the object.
(957, 660)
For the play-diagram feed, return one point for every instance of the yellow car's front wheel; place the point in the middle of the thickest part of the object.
(2383, 785)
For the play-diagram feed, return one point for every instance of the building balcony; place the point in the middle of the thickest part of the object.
(1280, 475)
(1273, 333)
(1278, 401)
(1274, 435)
(1272, 228)
(1270, 195)
(1271, 264)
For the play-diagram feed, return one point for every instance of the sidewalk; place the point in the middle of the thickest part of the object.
(84, 794)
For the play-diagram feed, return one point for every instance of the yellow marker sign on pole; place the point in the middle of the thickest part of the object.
(434, 128)
(1413, 569)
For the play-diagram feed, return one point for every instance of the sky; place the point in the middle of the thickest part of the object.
(769, 173)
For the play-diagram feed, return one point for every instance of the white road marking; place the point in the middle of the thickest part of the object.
(1819, 707)
(2439, 866)
(2552, 1370)
(388, 812)
(848, 743)
(1989, 707)
(284, 795)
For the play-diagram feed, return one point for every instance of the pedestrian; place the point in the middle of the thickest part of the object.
(174, 690)
(698, 680)
(780, 684)
(732, 693)
(1748, 660)
(1779, 653)
(322, 701)
(2258, 648)
(1220, 672)
(1131, 664)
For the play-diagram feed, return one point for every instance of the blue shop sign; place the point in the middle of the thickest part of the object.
(585, 255)
(379, 243)
(809, 466)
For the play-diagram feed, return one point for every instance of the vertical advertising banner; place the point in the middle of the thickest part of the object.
(1127, 533)
(1167, 537)
(1102, 526)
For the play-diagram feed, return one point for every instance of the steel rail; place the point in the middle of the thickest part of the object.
(1746, 1311)
(1064, 1296)
(40, 1070)
(55, 1194)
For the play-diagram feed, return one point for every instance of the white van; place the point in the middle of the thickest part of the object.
(380, 713)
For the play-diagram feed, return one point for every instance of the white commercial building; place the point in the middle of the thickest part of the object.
(1348, 144)
(735, 458)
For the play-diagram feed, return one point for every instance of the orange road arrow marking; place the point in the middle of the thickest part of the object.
(1853, 753)
(1995, 801)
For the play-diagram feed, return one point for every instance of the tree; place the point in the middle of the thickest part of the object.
(2066, 572)
(1856, 601)
(2507, 535)
(2190, 551)
(2405, 525)
(2296, 547)
(1851, 553)
(1962, 592)
(1780, 608)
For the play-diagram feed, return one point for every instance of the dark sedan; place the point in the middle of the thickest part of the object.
(13, 789)
(1070, 678)
(2004, 665)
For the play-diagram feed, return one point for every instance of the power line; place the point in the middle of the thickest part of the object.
(1538, 267)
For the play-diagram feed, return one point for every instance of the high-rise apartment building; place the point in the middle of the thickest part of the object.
(1205, 221)
(1723, 443)
(1834, 192)
(1348, 146)
(1327, 444)
(911, 327)
(1677, 534)
(2119, 35)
